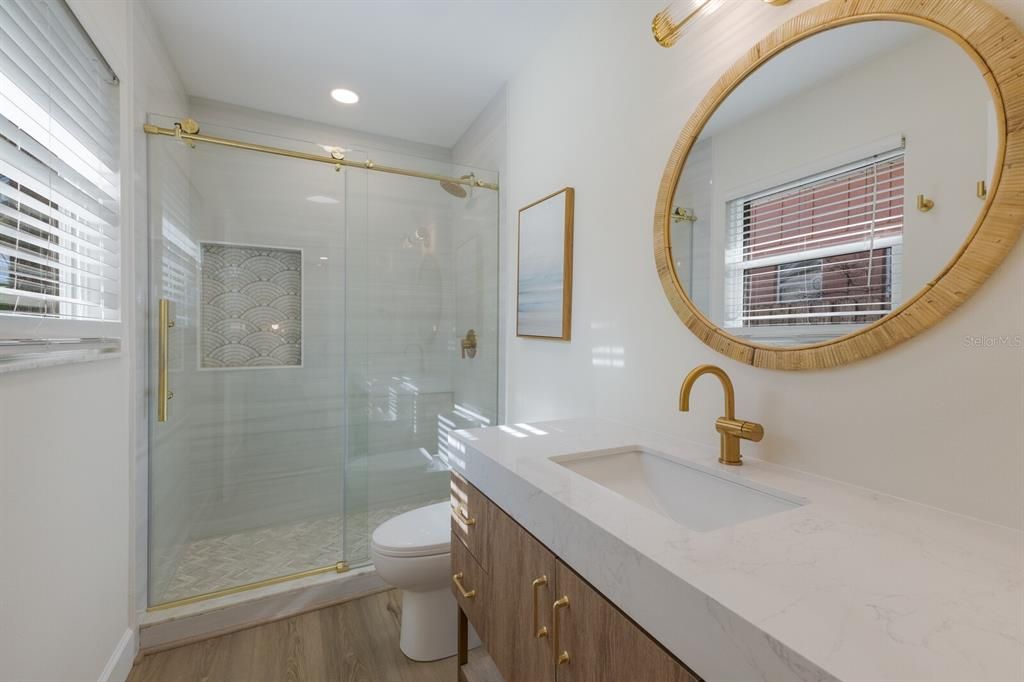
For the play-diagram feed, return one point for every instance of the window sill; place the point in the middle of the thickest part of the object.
(54, 358)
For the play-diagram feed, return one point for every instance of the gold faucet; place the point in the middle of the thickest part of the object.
(730, 428)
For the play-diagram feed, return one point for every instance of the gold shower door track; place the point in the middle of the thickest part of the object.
(337, 159)
(340, 567)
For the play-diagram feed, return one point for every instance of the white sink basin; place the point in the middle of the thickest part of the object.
(698, 498)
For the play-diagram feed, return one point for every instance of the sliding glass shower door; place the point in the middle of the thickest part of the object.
(247, 261)
(422, 335)
(315, 334)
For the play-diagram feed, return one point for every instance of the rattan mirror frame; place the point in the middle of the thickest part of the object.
(997, 47)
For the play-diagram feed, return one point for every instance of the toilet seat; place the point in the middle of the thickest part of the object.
(418, 533)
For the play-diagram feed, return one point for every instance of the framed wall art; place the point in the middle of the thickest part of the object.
(544, 272)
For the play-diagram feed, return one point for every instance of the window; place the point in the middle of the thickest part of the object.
(811, 257)
(59, 183)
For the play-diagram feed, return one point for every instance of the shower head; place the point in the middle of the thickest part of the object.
(454, 188)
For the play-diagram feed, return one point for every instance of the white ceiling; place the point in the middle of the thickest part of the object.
(423, 69)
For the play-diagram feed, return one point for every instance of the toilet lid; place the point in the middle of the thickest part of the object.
(421, 532)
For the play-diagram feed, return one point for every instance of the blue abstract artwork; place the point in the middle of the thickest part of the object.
(545, 267)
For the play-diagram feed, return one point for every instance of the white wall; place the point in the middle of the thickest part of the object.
(71, 525)
(599, 108)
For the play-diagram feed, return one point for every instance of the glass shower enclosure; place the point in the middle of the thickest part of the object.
(315, 333)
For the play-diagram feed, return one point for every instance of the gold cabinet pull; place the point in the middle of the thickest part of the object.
(466, 518)
(457, 579)
(163, 393)
(560, 656)
(538, 630)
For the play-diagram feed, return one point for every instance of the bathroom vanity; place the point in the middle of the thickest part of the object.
(592, 550)
(531, 609)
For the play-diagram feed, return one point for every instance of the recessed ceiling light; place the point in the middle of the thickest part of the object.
(344, 96)
(320, 199)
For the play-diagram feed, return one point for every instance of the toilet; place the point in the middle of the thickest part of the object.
(412, 552)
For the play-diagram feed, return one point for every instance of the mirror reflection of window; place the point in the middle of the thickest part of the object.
(804, 183)
(818, 251)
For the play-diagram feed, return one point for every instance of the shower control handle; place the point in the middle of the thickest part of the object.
(469, 345)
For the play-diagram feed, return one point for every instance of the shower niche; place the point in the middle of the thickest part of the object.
(250, 306)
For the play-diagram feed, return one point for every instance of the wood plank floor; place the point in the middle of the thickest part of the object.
(352, 642)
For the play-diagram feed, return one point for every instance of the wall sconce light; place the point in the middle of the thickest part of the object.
(680, 214)
(670, 23)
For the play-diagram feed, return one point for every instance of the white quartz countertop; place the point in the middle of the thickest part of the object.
(854, 585)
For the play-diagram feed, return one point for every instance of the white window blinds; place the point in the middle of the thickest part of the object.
(59, 184)
(822, 250)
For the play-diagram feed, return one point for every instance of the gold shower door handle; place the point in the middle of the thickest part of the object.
(560, 656)
(538, 631)
(163, 352)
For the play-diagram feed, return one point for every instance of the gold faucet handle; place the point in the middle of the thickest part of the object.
(739, 429)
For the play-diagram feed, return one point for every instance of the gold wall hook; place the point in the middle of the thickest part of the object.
(680, 214)
(924, 204)
(982, 189)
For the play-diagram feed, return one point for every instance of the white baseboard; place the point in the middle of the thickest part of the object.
(182, 625)
(120, 662)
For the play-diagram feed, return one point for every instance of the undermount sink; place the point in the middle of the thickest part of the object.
(697, 498)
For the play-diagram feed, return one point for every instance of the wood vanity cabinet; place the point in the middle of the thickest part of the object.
(513, 610)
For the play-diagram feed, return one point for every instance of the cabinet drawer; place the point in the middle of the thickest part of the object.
(470, 519)
(470, 586)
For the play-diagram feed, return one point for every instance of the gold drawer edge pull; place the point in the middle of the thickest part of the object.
(464, 513)
(538, 631)
(563, 656)
(457, 579)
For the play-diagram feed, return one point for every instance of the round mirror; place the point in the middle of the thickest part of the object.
(820, 190)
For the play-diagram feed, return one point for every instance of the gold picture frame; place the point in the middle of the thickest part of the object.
(548, 268)
(996, 45)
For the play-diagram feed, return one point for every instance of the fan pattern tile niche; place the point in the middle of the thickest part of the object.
(251, 307)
